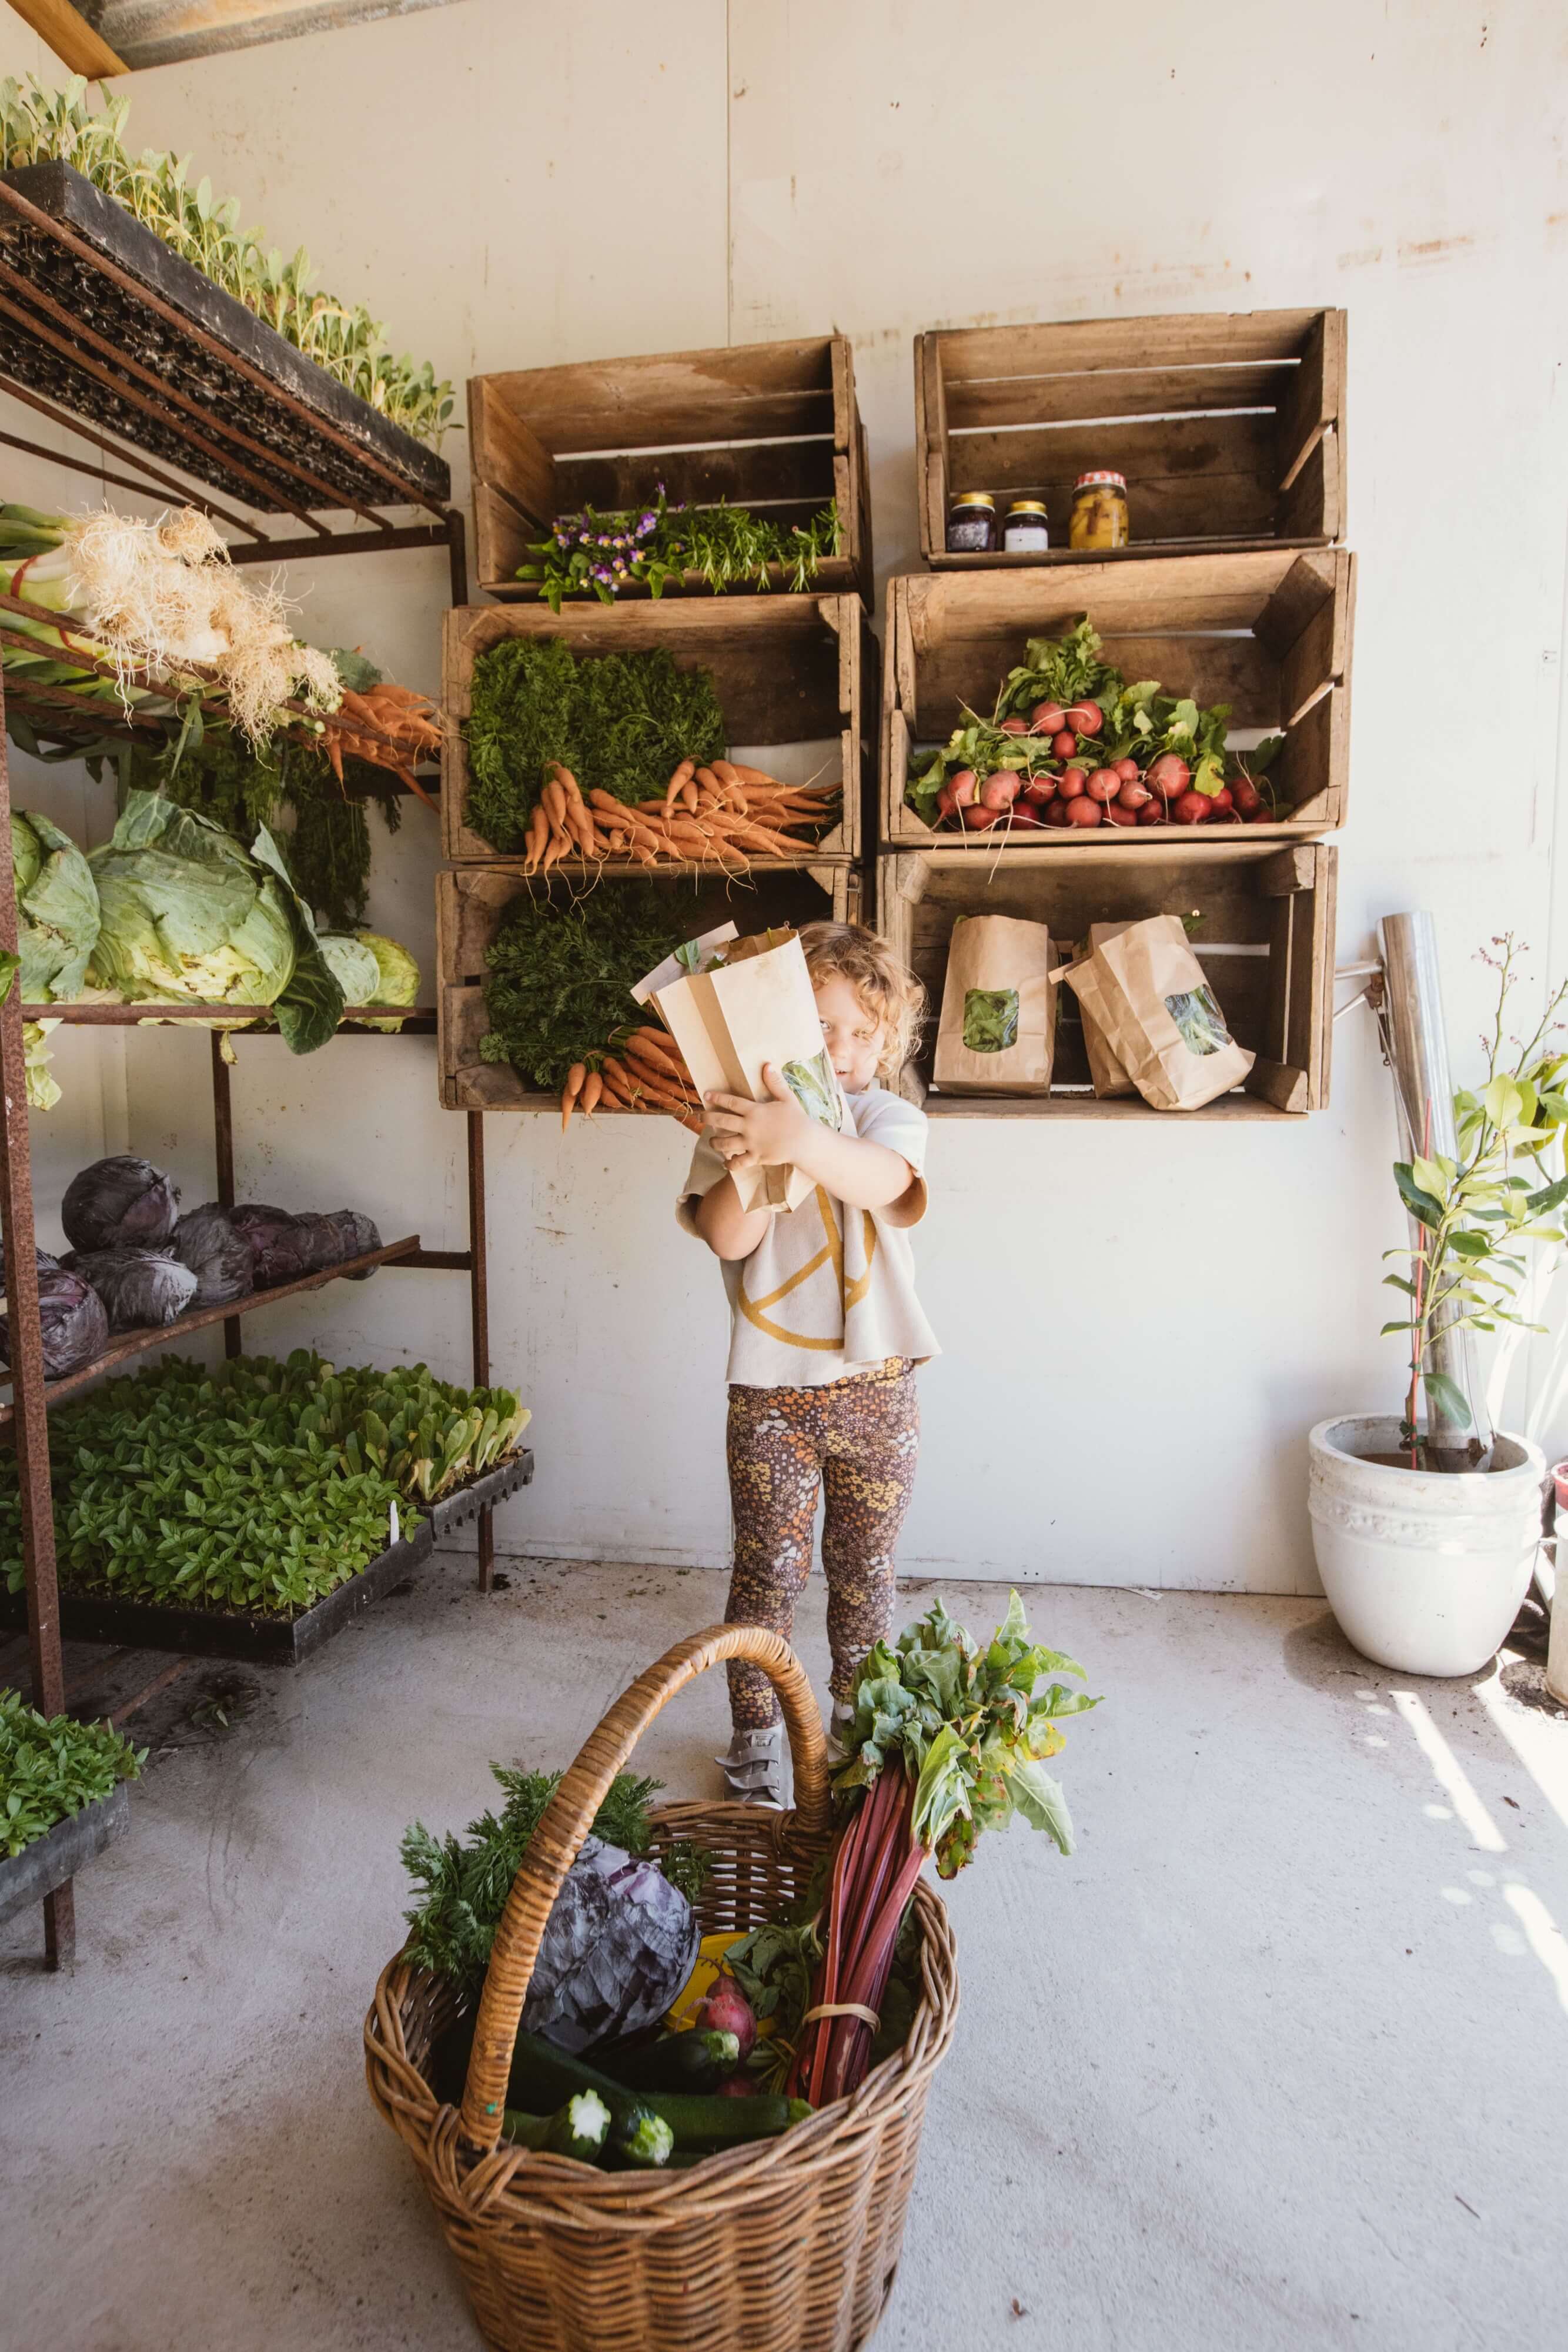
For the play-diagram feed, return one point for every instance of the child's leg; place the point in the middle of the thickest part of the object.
(870, 1443)
(775, 1472)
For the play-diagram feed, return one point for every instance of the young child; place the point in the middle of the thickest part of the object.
(827, 1332)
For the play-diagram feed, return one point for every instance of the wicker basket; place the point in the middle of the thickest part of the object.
(786, 2245)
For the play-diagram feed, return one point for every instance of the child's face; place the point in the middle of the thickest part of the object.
(851, 1032)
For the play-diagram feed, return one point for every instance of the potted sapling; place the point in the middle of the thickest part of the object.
(1425, 1549)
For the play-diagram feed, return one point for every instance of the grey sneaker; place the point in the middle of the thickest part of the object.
(841, 1733)
(754, 1767)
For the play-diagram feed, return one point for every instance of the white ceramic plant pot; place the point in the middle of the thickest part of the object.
(1424, 1572)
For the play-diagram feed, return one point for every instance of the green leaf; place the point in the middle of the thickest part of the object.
(1423, 1207)
(1503, 1103)
(1471, 1245)
(1040, 1801)
(1428, 1176)
(1550, 1197)
(1449, 1397)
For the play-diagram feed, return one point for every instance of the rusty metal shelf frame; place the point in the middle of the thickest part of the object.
(118, 460)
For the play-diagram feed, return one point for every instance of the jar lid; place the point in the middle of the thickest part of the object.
(976, 499)
(1086, 481)
(1026, 507)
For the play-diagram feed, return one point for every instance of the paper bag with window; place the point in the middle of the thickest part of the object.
(731, 1005)
(1144, 990)
(999, 1009)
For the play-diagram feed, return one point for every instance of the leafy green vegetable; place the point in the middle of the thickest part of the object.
(816, 1089)
(58, 913)
(51, 1767)
(621, 722)
(261, 1486)
(561, 977)
(990, 1019)
(463, 1889)
(1058, 669)
(593, 554)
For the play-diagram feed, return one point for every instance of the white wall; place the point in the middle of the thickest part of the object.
(1139, 1322)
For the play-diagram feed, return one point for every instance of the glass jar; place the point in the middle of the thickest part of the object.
(1099, 512)
(972, 524)
(1025, 531)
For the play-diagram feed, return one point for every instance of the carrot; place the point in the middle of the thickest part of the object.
(592, 1087)
(726, 773)
(616, 1084)
(576, 1078)
(569, 784)
(752, 775)
(536, 836)
(706, 777)
(688, 795)
(653, 1059)
(554, 799)
(555, 848)
(677, 780)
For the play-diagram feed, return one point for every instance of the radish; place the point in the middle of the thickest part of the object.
(1153, 811)
(1103, 785)
(1064, 745)
(999, 790)
(1170, 775)
(1029, 819)
(1046, 718)
(1116, 814)
(1038, 790)
(1087, 717)
(1014, 727)
(728, 2010)
(1192, 808)
(1127, 770)
(1056, 813)
(977, 817)
(1134, 795)
(946, 805)
(1071, 784)
(1245, 793)
(1223, 801)
(1084, 811)
(963, 787)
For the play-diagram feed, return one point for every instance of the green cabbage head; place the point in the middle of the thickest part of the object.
(56, 909)
(372, 970)
(190, 914)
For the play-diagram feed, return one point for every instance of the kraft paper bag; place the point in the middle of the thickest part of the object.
(1145, 990)
(997, 1032)
(757, 1006)
(1106, 1071)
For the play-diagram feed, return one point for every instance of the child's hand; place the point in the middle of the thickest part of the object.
(758, 1134)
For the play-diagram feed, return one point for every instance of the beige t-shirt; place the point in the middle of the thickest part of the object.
(828, 1290)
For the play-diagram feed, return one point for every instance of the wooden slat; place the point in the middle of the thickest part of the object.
(506, 455)
(660, 399)
(1066, 397)
(1184, 338)
(1187, 477)
(1315, 404)
(1313, 507)
(79, 48)
(794, 475)
(1164, 591)
(1308, 583)
(502, 540)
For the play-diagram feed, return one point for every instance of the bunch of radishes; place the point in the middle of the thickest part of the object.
(1086, 793)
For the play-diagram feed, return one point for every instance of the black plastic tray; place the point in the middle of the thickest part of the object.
(26, 1877)
(270, 428)
(465, 1502)
(214, 1633)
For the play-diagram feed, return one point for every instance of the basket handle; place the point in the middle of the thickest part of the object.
(569, 1815)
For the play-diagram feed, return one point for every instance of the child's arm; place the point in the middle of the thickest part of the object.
(765, 1135)
(729, 1230)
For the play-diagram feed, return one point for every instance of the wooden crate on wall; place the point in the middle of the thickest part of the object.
(774, 427)
(1269, 631)
(470, 901)
(790, 672)
(1230, 428)
(1266, 942)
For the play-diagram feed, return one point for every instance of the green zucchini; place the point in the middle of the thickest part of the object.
(714, 2123)
(543, 2075)
(680, 2062)
(578, 2129)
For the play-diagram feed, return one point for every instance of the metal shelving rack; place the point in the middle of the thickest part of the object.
(118, 343)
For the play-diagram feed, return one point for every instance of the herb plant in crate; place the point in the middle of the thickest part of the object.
(1425, 1549)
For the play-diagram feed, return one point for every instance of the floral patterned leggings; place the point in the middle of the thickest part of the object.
(858, 1438)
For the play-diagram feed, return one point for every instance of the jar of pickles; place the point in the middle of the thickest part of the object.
(1025, 531)
(972, 524)
(1098, 518)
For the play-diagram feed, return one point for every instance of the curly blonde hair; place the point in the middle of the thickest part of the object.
(886, 987)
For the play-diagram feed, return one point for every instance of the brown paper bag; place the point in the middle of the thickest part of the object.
(997, 1032)
(1145, 990)
(757, 1006)
(1106, 1071)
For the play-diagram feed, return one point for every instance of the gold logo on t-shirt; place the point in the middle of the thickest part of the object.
(832, 1251)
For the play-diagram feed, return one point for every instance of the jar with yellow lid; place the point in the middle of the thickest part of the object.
(1025, 531)
(972, 524)
(1098, 518)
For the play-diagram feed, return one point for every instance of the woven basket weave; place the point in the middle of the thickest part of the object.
(784, 2245)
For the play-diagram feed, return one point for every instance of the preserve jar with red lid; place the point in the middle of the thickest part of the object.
(1098, 518)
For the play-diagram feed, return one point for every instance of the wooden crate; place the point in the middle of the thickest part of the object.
(1266, 943)
(1229, 427)
(1268, 632)
(774, 427)
(792, 673)
(471, 899)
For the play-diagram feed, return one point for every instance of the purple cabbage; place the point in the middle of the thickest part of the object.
(219, 1256)
(617, 1946)
(287, 1247)
(119, 1202)
(140, 1288)
(75, 1326)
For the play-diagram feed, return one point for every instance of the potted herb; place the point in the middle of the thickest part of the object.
(1425, 1552)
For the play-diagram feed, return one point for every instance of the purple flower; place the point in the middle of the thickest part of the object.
(582, 539)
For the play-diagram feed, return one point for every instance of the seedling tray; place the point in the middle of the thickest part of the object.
(216, 1633)
(98, 314)
(26, 1877)
(465, 1503)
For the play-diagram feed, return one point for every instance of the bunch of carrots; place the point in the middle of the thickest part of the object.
(640, 1070)
(409, 718)
(723, 814)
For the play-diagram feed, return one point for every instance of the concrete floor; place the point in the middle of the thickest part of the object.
(1276, 2061)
